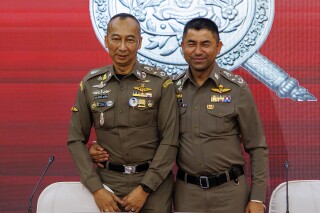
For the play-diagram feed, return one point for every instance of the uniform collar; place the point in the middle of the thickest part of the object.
(136, 71)
(214, 75)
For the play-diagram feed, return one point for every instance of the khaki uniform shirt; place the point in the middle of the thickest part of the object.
(213, 123)
(135, 119)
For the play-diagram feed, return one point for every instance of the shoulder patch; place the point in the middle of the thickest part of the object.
(233, 78)
(96, 72)
(154, 71)
(167, 83)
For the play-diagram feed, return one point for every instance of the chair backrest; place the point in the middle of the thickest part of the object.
(304, 197)
(66, 197)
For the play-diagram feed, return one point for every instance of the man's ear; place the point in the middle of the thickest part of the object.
(219, 46)
(105, 41)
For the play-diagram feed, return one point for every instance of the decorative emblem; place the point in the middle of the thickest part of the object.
(243, 25)
(220, 98)
(100, 86)
(220, 89)
(210, 106)
(101, 119)
(74, 109)
(133, 102)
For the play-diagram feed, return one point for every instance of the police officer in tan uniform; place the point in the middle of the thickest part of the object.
(217, 114)
(134, 112)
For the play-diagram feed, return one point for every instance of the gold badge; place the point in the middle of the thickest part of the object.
(103, 77)
(167, 83)
(179, 95)
(142, 89)
(94, 105)
(141, 103)
(220, 89)
(74, 109)
(81, 85)
(210, 106)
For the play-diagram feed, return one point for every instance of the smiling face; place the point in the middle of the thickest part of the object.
(123, 41)
(200, 48)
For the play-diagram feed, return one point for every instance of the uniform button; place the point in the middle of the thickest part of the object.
(196, 108)
(122, 88)
(120, 111)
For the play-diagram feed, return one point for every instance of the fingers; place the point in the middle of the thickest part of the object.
(116, 198)
(100, 165)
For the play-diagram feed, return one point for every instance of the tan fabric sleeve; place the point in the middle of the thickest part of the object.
(79, 133)
(168, 128)
(254, 141)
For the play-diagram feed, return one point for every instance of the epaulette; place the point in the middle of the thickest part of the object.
(178, 76)
(154, 71)
(96, 72)
(233, 78)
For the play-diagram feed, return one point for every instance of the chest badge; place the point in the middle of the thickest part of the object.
(133, 102)
(221, 98)
(220, 89)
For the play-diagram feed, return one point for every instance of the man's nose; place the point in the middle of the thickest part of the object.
(198, 50)
(123, 46)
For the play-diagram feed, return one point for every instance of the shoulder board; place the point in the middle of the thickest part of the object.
(96, 72)
(154, 71)
(178, 76)
(233, 78)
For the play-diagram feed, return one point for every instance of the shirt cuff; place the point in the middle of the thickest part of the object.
(258, 201)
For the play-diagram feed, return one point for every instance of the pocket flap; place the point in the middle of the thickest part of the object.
(221, 111)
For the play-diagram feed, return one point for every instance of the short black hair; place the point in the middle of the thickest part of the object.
(202, 23)
(123, 16)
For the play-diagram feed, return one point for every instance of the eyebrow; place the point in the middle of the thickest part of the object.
(194, 41)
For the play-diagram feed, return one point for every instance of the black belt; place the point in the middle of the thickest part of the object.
(207, 182)
(125, 168)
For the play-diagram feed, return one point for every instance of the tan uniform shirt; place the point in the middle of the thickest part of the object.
(136, 120)
(213, 123)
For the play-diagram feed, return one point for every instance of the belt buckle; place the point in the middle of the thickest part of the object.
(204, 182)
(129, 169)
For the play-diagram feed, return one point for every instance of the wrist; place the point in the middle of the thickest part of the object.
(146, 188)
(258, 201)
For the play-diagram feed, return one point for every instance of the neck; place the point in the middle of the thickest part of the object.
(123, 70)
(200, 76)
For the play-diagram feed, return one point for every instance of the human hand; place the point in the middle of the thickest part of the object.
(106, 201)
(135, 200)
(98, 154)
(254, 207)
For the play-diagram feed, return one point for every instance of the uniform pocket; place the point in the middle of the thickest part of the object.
(220, 119)
(103, 117)
(145, 115)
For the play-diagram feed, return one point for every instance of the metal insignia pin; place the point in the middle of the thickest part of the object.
(101, 119)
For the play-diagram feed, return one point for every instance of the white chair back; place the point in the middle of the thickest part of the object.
(66, 197)
(304, 197)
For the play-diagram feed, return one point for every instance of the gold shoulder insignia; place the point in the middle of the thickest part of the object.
(167, 83)
(81, 86)
(74, 109)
